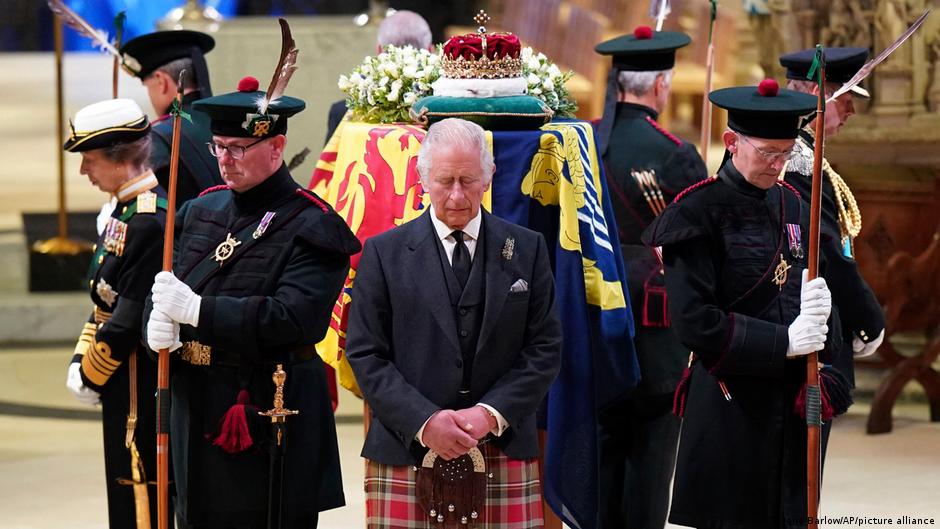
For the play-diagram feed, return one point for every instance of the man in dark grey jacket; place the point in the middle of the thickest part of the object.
(454, 339)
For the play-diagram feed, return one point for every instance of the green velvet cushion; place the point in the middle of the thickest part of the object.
(491, 113)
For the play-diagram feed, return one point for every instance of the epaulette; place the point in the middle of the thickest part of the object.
(787, 185)
(312, 198)
(672, 137)
(213, 189)
(802, 160)
(693, 187)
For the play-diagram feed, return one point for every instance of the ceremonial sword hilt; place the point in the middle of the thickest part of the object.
(279, 413)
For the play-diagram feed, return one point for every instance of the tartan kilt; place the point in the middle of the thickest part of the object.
(513, 495)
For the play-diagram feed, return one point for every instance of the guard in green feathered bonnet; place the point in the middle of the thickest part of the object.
(259, 263)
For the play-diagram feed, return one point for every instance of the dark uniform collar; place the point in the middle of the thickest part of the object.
(730, 175)
(190, 97)
(634, 111)
(267, 194)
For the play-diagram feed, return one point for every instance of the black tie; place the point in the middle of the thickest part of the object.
(461, 259)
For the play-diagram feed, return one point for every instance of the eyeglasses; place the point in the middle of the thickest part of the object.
(235, 151)
(771, 156)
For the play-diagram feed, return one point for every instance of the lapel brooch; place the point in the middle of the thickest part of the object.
(508, 247)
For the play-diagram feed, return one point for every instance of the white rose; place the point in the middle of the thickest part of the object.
(554, 71)
(535, 91)
(548, 85)
(410, 70)
(532, 63)
(533, 79)
(409, 98)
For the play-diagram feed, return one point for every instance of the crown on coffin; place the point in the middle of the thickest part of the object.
(482, 55)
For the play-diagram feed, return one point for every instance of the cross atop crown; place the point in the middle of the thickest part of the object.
(481, 18)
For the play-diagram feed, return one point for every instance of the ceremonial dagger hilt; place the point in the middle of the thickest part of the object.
(279, 413)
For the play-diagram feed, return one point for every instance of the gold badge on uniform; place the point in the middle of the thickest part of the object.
(147, 202)
(226, 248)
(780, 272)
(106, 293)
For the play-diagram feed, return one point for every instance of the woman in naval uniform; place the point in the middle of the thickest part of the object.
(110, 366)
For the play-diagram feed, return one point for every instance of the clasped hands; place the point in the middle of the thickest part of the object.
(173, 303)
(452, 433)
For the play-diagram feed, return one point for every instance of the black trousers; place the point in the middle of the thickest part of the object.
(638, 438)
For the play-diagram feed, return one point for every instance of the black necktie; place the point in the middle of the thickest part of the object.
(460, 261)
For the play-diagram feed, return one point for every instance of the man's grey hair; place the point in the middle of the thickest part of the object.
(800, 85)
(640, 83)
(173, 69)
(454, 133)
(403, 28)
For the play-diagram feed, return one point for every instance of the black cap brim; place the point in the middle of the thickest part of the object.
(769, 117)
(153, 50)
(643, 55)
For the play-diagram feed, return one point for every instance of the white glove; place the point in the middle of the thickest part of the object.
(162, 332)
(807, 334)
(175, 299)
(815, 299)
(863, 349)
(74, 382)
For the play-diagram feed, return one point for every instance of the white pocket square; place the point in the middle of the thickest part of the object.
(519, 286)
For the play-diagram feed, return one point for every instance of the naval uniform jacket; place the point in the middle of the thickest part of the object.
(638, 143)
(859, 310)
(741, 462)
(268, 303)
(417, 343)
(198, 169)
(127, 256)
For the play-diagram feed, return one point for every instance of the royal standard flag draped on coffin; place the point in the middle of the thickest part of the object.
(552, 181)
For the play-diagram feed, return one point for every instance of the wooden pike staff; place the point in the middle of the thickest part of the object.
(118, 39)
(813, 399)
(163, 360)
(709, 68)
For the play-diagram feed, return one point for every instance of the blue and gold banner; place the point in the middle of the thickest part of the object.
(552, 181)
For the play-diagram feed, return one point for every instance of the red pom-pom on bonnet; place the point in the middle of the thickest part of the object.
(643, 32)
(248, 84)
(768, 88)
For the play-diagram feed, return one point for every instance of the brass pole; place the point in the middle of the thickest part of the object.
(60, 128)
(60, 244)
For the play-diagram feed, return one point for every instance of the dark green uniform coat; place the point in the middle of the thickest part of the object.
(120, 281)
(741, 462)
(860, 312)
(198, 169)
(269, 303)
(638, 434)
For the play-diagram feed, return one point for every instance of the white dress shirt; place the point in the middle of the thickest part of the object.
(471, 234)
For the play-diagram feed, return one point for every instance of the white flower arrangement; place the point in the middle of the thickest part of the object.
(547, 82)
(383, 88)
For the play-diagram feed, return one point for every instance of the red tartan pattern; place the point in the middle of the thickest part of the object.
(513, 496)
